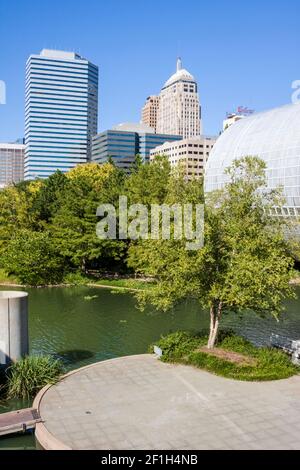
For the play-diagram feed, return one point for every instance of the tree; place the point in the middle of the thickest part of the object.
(16, 211)
(32, 257)
(73, 226)
(47, 200)
(244, 263)
(148, 183)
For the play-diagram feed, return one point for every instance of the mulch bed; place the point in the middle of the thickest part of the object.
(230, 356)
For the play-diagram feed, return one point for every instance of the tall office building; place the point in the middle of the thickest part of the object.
(124, 142)
(61, 112)
(179, 109)
(11, 163)
(149, 111)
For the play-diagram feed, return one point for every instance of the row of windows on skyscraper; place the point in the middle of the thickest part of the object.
(61, 115)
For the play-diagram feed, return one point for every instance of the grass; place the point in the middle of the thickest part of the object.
(245, 361)
(8, 279)
(78, 279)
(27, 376)
(127, 283)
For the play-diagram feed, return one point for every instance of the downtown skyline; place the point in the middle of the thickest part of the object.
(223, 56)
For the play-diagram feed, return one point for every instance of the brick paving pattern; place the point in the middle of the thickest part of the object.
(138, 402)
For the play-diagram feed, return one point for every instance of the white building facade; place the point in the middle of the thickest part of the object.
(61, 112)
(11, 163)
(191, 154)
(179, 110)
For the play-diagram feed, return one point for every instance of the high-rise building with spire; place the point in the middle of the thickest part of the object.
(179, 109)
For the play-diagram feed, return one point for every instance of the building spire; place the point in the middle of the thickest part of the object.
(179, 64)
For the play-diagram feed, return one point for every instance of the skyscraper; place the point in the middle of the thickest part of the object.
(149, 111)
(61, 112)
(179, 109)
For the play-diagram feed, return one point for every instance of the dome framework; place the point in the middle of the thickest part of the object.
(273, 136)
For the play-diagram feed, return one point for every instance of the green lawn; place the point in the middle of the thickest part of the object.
(130, 283)
(234, 357)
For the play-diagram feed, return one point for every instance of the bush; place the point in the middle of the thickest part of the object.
(27, 376)
(176, 345)
(75, 279)
(260, 363)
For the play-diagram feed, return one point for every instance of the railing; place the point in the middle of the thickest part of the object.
(290, 346)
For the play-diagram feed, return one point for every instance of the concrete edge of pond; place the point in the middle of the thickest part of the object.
(46, 440)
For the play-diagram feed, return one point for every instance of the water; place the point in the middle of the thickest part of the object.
(84, 325)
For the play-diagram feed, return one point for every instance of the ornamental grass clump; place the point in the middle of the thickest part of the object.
(27, 376)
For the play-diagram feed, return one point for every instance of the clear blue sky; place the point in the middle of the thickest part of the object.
(241, 53)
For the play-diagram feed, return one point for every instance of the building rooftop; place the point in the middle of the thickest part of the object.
(180, 74)
(53, 53)
(133, 127)
(16, 145)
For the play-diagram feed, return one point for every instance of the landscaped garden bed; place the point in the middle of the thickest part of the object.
(233, 357)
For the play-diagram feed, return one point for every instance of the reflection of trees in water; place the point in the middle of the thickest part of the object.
(74, 355)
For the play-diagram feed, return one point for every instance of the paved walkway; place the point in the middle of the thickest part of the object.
(138, 402)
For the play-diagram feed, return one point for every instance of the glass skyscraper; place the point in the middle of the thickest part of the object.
(61, 112)
(124, 142)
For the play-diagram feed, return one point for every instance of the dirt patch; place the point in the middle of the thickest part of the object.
(230, 356)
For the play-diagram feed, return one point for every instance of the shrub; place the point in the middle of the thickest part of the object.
(27, 376)
(75, 279)
(176, 345)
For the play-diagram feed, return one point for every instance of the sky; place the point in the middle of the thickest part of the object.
(241, 53)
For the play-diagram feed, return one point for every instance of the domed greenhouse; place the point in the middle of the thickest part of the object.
(273, 136)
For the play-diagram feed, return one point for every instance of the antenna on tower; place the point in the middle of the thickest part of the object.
(179, 64)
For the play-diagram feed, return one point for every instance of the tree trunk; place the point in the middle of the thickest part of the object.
(215, 317)
(83, 265)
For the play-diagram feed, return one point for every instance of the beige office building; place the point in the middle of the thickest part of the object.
(191, 153)
(149, 111)
(11, 163)
(179, 109)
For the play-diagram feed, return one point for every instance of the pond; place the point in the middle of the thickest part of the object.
(83, 325)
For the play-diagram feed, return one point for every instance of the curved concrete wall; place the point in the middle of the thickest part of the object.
(13, 326)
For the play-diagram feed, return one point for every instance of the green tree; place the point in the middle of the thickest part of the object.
(47, 201)
(74, 224)
(16, 211)
(148, 183)
(244, 263)
(32, 257)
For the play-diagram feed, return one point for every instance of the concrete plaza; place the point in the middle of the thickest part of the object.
(138, 402)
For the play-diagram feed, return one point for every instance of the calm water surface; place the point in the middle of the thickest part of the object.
(83, 325)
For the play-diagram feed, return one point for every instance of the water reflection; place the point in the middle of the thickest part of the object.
(62, 322)
(72, 357)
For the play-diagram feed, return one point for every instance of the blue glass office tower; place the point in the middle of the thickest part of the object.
(125, 141)
(61, 112)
